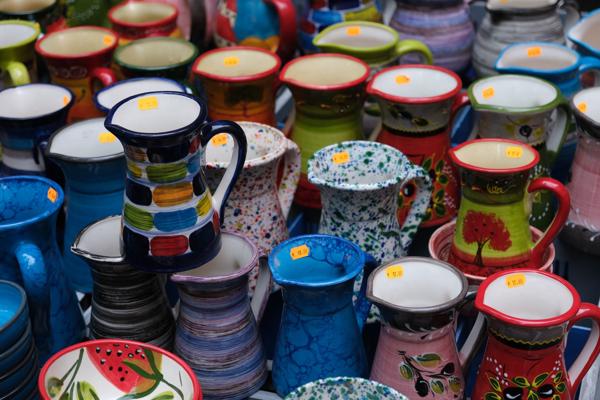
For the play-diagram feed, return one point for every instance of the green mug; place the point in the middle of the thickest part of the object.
(48, 13)
(17, 54)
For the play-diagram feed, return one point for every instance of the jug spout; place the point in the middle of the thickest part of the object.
(98, 242)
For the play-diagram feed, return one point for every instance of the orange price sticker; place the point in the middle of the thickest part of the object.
(514, 152)
(534, 51)
(402, 79)
(515, 280)
(148, 103)
(299, 252)
(231, 61)
(219, 140)
(66, 100)
(106, 137)
(582, 106)
(108, 40)
(394, 272)
(341, 158)
(52, 194)
(353, 30)
(488, 92)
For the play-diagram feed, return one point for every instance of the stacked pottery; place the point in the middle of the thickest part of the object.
(133, 20)
(17, 58)
(344, 388)
(126, 303)
(47, 13)
(18, 355)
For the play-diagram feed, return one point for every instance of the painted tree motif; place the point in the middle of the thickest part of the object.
(485, 229)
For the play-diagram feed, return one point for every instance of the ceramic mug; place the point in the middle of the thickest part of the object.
(47, 13)
(79, 58)
(239, 83)
(17, 56)
(133, 20)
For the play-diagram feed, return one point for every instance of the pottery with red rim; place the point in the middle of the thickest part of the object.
(139, 19)
(329, 92)
(115, 368)
(418, 104)
(529, 313)
(79, 59)
(492, 227)
(239, 83)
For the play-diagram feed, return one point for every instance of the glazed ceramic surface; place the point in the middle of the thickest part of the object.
(531, 111)
(529, 314)
(14, 316)
(17, 58)
(113, 369)
(18, 351)
(47, 13)
(419, 299)
(79, 58)
(585, 35)
(93, 163)
(171, 220)
(239, 83)
(20, 373)
(217, 321)
(418, 105)
(139, 19)
(126, 303)
(28, 115)
(344, 388)
(445, 28)
(492, 228)
(329, 91)
(320, 332)
(30, 257)
(266, 24)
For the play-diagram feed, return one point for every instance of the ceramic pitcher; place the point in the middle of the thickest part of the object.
(492, 227)
(419, 299)
(528, 316)
(93, 163)
(584, 35)
(418, 104)
(28, 116)
(329, 91)
(360, 182)
(320, 331)
(17, 57)
(267, 24)
(529, 110)
(126, 303)
(47, 13)
(171, 222)
(133, 20)
(217, 321)
(238, 83)
(30, 257)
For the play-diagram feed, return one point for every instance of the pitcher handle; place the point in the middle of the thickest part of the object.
(406, 46)
(262, 290)
(287, 26)
(590, 351)
(33, 271)
(588, 63)
(105, 76)
(471, 344)
(234, 169)
(291, 177)
(363, 305)
(418, 206)
(18, 73)
(564, 203)
(559, 132)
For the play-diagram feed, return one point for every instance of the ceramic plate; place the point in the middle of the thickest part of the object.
(345, 388)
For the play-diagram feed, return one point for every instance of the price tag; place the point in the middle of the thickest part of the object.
(108, 40)
(65, 100)
(402, 79)
(148, 103)
(394, 272)
(299, 252)
(353, 31)
(219, 140)
(515, 280)
(534, 52)
(582, 106)
(52, 195)
(341, 158)
(488, 93)
(231, 61)
(106, 137)
(514, 152)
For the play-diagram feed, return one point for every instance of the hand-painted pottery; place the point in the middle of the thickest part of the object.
(445, 28)
(17, 58)
(109, 96)
(492, 228)
(360, 183)
(512, 21)
(418, 104)
(79, 58)
(376, 44)
(528, 316)
(28, 115)
(239, 83)
(266, 24)
(217, 333)
(133, 20)
(323, 13)
(320, 332)
(111, 369)
(346, 388)
(329, 91)
(93, 163)
(14, 317)
(531, 111)
(419, 299)
(440, 246)
(171, 221)
(47, 13)
(126, 303)
(584, 35)
(30, 257)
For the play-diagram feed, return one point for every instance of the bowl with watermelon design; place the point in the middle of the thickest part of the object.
(115, 369)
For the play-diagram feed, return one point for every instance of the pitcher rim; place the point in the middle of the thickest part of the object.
(57, 56)
(64, 108)
(358, 50)
(91, 256)
(579, 42)
(578, 113)
(33, 38)
(165, 20)
(540, 72)
(122, 63)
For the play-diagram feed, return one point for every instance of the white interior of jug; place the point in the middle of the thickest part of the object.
(539, 56)
(11, 34)
(236, 63)
(111, 95)
(32, 101)
(358, 35)
(326, 70)
(84, 140)
(588, 102)
(415, 82)
(74, 41)
(138, 12)
(495, 154)
(514, 92)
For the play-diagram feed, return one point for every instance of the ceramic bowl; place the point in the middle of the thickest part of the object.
(14, 314)
(110, 369)
(18, 373)
(17, 351)
(441, 242)
(344, 388)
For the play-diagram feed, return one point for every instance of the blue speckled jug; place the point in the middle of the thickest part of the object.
(320, 333)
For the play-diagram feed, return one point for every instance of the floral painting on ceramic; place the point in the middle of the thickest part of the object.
(429, 379)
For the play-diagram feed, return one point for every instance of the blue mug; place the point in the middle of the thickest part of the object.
(14, 317)
(584, 34)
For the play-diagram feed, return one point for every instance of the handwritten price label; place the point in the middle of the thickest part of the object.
(514, 152)
(488, 93)
(52, 195)
(582, 106)
(341, 158)
(108, 40)
(394, 272)
(299, 252)
(515, 280)
(231, 61)
(402, 79)
(148, 103)
(106, 137)
(533, 52)
(219, 140)
(353, 31)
